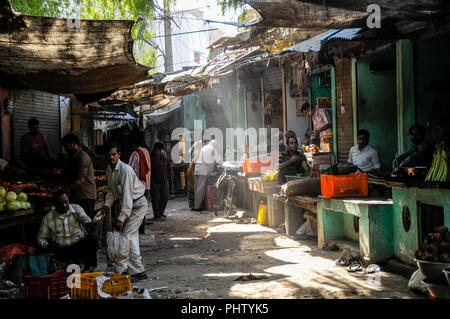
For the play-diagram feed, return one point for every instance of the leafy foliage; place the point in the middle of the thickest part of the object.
(231, 4)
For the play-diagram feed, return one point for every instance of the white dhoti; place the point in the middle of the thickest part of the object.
(129, 247)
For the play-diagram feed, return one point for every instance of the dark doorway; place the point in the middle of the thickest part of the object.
(431, 217)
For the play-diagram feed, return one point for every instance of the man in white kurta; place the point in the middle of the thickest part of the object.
(203, 168)
(125, 186)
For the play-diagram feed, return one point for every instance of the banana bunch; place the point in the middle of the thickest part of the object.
(439, 171)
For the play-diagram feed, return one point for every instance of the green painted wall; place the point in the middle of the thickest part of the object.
(317, 91)
(349, 229)
(407, 243)
(377, 105)
(192, 108)
(432, 65)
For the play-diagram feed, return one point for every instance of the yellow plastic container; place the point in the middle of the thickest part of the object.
(88, 290)
(262, 213)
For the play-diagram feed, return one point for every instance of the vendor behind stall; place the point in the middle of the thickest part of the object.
(34, 147)
(421, 154)
(321, 122)
(292, 162)
(63, 232)
(363, 155)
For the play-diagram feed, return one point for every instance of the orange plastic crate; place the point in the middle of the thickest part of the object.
(252, 166)
(88, 286)
(353, 185)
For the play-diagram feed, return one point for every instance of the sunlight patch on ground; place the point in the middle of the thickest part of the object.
(233, 274)
(239, 228)
(220, 220)
(185, 238)
(296, 255)
(262, 289)
(283, 241)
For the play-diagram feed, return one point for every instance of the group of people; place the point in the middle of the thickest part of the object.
(362, 155)
(68, 230)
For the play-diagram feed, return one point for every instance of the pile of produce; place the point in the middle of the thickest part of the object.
(11, 187)
(307, 174)
(436, 247)
(100, 178)
(328, 138)
(13, 201)
(311, 148)
(270, 176)
(439, 168)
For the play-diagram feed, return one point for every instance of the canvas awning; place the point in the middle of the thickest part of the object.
(54, 55)
(301, 14)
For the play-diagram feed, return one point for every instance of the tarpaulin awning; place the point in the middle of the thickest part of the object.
(301, 14)
(59, 56)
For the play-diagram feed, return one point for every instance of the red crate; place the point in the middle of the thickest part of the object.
(47, 287)
(353, 185)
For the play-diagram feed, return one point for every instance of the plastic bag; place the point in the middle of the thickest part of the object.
(415, 282)
(309, 227)
(115, 246)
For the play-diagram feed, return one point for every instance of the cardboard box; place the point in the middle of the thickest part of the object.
(326, 147)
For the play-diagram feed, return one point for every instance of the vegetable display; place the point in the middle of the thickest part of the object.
(436, 246)
(13, 201)
(439, 171)
(307, 174)
(270, 176)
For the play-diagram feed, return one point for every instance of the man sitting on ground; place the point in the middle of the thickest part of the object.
(63, 233)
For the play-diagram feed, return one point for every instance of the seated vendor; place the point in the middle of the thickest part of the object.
(421, 154)
(363, 155)
(63, 233)
(292, 162)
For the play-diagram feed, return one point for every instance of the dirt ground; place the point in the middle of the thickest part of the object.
(197, 255)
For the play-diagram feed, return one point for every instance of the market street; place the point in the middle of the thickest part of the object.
(198, 255)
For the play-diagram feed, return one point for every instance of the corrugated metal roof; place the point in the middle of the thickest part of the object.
(346, 34)
(312, 44)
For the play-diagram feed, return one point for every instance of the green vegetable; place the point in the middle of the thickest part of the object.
(22, 197)
(439, 171)
(2, 200)
(2, 207)
(11, 196)
(13, 205)
(2, 191)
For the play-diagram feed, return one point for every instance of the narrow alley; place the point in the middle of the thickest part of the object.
(197, 255)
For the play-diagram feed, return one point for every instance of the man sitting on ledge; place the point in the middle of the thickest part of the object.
(63, 233)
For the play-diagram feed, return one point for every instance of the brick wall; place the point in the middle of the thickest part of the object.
(344, 109)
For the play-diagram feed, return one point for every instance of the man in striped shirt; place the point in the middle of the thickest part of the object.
(63, 232)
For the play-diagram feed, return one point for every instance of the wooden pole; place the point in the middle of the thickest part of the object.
(283, 93)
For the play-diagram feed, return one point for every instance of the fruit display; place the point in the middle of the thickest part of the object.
(439, 171)
(270, 176)
(436, 246)
(13, 201)
(311, 148)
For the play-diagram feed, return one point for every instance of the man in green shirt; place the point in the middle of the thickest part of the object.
(292, 162)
